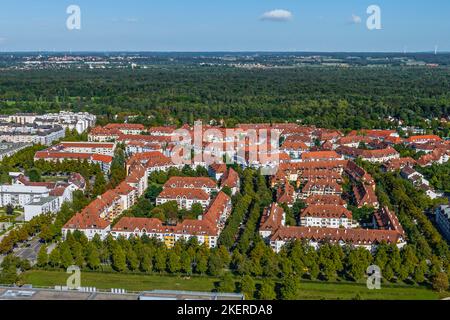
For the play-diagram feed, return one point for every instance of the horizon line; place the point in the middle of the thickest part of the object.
(217, 51)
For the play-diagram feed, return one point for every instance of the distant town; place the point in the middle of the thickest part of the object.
(251, 60)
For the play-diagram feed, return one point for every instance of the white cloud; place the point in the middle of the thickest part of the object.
(355, 19)
(277, 15)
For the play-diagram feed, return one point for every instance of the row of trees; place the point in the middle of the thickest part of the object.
(296, 261)
(327, 97)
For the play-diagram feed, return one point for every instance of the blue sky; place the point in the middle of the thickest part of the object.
(224, 25)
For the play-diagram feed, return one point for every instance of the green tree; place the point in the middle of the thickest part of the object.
(440, 282)
(66, 255)
(247, 286)
(92, 257)
(132, 260)
(267, 290)
(290, 288)
(42, 257)
(34, 175)
(173, 261)
(54, 258)
(119, 262)
(227, 284)
(99, 184)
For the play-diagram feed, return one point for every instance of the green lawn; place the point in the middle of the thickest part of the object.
(310, 290)
(129, 282)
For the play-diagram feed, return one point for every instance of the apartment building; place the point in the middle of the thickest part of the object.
(185, 198)
(206, 184)
(443, 220)
(326, 216)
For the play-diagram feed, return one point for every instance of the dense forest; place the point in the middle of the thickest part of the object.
(324, 96)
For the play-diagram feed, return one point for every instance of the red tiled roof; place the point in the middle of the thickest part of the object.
(125, 126)
(174, 193)
(218, 167)
(325, 199)
(102, 158)
(320, 155)
(230, 179)
(293, 145)
(104, 145)
(216, 208)
(190, 182)
(271, 218)
(86, 220)
(326, 211)
(423, 138)
(322, 183)
(355, 236)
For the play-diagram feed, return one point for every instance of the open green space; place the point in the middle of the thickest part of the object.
(309, 289)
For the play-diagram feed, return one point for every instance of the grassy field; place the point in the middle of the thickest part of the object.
(310, 290)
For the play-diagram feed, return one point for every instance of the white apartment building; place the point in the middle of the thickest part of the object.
(443, 220)
(20, 195)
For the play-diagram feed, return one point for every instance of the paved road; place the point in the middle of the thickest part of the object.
(29, 250)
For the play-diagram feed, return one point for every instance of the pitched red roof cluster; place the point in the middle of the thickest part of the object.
(56, 155)
(322, 184)
(327, 211)
(190, 182)
(316, 174)
(230, 179)
(294, 145)
(365, 195)
(434, 156)
(150, 159)
(286, 194)
(300, 168)
(78, 180)
(354, 236)
(358, 174)
(325, 199)
(91, 216)
(353, 139)
(125, 126)
(393, 140)
(296, 138)
(366, 154)
(400, 163)
(272, 221)
(320, 156)
(101, 131)
(272, 218)
(387, 220)
(373, 133)
(423, 138)
(192, 194)
(124, 188)
(86, 220)
(325, 134)
(162, 130)
(218, 168)
(93, 145)
(126, 138)
(209, 225)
